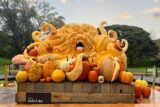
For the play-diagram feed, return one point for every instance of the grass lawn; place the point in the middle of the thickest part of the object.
(3, 62)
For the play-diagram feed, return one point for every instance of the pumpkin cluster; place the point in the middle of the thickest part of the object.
(77, 53)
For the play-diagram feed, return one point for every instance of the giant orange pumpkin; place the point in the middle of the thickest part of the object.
(146, 92)
(126, 77)
(138, 91)
(86, 69)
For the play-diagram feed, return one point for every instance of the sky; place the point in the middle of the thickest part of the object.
(141, 13)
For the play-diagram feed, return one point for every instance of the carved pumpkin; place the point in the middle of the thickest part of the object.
(48, 68)
(86, 69)
(126, 77)
(146, 92)
(22, 76)
(92, 76)
(138, 91)
(58, 75)
(110, 70)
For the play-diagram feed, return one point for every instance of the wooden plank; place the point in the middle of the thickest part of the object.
(91, 98)
(105, 88)
(58, 87)
(21, 87)
(95, 88)
(30, 87)
(68, 87)
(21, 97)
(77, 87)
(48, 87)
(86, 87)
(39, 87)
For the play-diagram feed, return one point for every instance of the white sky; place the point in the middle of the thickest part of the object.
(141, 13)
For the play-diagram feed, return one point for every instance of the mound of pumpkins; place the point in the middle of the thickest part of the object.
(47, 72)
(142, 89)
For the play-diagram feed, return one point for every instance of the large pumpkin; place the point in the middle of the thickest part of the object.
(86, 69)
(48, 68)
(138, 91)
(110, 70)
(126, 77)
(146, 92)
(22, 76)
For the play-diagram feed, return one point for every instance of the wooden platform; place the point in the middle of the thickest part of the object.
(79, 92)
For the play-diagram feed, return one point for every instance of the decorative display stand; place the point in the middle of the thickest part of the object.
(78, 92)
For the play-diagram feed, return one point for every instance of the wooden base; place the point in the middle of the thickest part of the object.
(79, 92)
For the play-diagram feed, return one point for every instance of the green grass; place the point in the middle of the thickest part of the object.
(3, 62)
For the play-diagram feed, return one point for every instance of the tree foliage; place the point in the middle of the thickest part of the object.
(19, 18)
(141, 48)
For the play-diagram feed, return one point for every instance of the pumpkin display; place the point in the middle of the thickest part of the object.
(85, 71)
(138, 91)
(22, 76)
(92, 76)
(35, 71)
(48, 68)
(110, 70)
(126, 77)
(146, 92)
(142, 83)
(58, 75)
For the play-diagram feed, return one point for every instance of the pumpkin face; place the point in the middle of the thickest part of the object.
(33, 52)
(93, 76)
(22, 76)
(142, 83)
(146, 92)
(48, 68)
(86, 69)
(126, 77)
(138, 91)
(58, 75)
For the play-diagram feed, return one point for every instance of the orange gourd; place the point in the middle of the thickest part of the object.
(48, 68)
(48, 79)
(42, 80)
(138, 91)
(86, 69)
(93, 76)
(146, 92)
(27, 66)
(126, 77)
(33, 52)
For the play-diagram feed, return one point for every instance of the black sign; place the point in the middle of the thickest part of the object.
(38, 98)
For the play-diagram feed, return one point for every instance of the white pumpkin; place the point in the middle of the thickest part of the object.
(100, 79)
(71, 61)
(64, 66)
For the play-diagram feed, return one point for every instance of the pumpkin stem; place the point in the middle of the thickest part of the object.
(67, 58)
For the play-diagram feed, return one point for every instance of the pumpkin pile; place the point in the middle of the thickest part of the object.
(76, 53)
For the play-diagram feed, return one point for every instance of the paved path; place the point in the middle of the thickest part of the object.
(10, 77)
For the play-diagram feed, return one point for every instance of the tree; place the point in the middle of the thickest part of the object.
(19, 19)
(141, 47)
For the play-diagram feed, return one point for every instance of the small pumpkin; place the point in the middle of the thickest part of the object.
(142, 83)
(97, 69)
(49, 48)
(71, 61)
(126, 77)
(92, 76)
(65, 65)
(100, 79)
(146, 92)
(42, 80)
(71, 67)
(48, 68)
(22, 76)
(85, 71)
(33, 52)
(48, 79)
(58, 75)
(138, 91)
